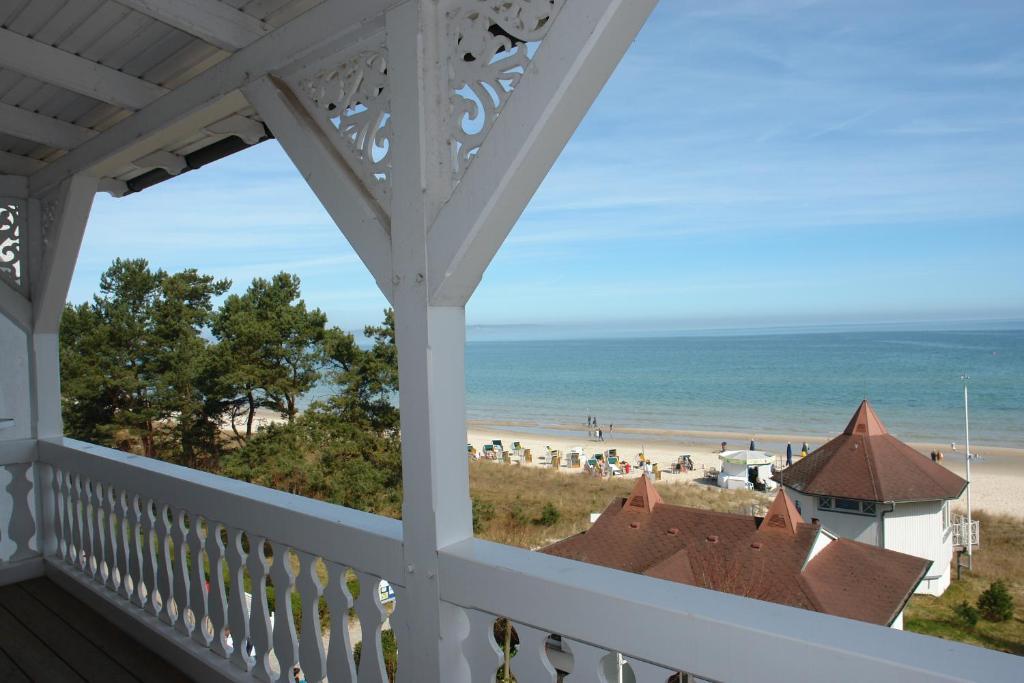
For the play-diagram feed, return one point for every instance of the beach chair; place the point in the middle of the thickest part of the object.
(527, 455)
(471, 451)
(489, 451)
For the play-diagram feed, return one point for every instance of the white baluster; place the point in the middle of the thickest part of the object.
(216, 599)
(98, 532)
(58, 510)
(150, 547)
(165, 564)
(129, 578)
(587, 662)
(340, 667)
(259, 619)
(286, 643)
(114, 555)
(48, 524)
(400, 627)
(137, 545)
(531, 663)
(21, 527)
(179, 572)
(92, 540)
(311, 646)
(71, 548)
(483, 653)
(238, 610)
(81, 525)
(371, 617)
(645, 672)
(196, 541)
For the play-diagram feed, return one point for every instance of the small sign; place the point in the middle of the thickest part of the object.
(387, 593)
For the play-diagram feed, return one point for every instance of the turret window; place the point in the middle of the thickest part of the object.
(849, 505)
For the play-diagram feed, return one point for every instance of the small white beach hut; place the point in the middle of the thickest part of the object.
(744, 469)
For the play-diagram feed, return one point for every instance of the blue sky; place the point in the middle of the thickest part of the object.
(749, 163)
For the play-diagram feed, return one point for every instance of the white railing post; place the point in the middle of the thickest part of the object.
(431, 344)
(40, 237)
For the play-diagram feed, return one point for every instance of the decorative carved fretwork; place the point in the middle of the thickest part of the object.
(12, 219)
(493, 41)
(356, 98)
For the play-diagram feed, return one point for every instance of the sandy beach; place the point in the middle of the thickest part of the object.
(997, 474)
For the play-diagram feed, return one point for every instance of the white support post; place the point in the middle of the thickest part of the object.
(436, 510)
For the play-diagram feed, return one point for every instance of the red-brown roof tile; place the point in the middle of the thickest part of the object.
(866, 462)
(762, 558)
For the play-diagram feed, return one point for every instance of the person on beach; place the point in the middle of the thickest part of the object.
(600, 435)
(610, 425)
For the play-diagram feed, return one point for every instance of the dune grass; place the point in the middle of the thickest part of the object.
(1001, 556)
(531, 507)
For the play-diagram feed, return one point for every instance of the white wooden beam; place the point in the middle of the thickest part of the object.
(45, 130)
(243, 127)
(354, 211)
(57, 67)
(586, 42)
(323, 29)
(209, 20)
(15, 307)
(173, 163)
(52, 277)
(13, 186)
(15, 164)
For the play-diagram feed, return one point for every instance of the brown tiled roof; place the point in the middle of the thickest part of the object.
(762, 558)
(868, 463)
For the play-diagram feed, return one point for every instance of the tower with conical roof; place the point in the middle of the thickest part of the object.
(869, 486)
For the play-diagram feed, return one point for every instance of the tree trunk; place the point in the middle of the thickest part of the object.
(251, 416)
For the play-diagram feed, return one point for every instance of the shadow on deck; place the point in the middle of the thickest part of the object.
(48, 635)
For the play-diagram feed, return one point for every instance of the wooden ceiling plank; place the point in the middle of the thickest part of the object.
(54, 66)
(209, 20)
(15, 164)
(42, 129)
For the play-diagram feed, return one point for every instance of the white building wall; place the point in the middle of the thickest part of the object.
(917, 529)
(861, 528)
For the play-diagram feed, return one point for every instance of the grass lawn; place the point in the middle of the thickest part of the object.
(1001, 556)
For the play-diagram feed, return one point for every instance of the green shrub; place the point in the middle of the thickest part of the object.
(996, 603)
(516, 515)
(483, 512)
(390, 648)
(966, 614)
(549, 516)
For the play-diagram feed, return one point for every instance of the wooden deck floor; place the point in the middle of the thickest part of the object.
(49, 636)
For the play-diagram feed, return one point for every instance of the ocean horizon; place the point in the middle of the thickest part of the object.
(782, 382)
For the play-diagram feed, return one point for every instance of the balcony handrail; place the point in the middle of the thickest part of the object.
(332, 532)
(695, 630)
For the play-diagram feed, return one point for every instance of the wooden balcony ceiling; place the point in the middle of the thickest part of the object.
(48, 635)
(69, 71)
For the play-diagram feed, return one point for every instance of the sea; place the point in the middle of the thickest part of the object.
(781, 382)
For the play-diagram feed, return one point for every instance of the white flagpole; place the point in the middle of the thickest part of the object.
(967, 443)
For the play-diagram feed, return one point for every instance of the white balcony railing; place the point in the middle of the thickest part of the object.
(964, 530)
(123, 530)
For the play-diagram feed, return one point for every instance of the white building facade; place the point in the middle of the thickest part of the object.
(868, 486)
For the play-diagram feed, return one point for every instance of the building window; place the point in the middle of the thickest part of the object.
(945, 516)
(848, 505)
